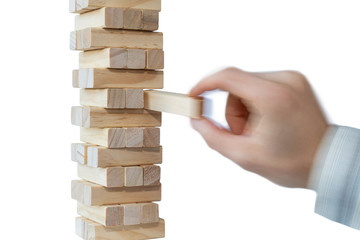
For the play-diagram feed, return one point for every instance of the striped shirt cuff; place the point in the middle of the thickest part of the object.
(335, 176)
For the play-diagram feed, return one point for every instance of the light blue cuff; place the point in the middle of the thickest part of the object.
(335, 176)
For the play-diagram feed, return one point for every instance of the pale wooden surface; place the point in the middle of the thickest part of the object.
(115, 78)
(121, 58)
(107, 177)
(112, 215)
(105, 98)
(75, 78)
(120, 215)
(151, 175)
(134, 137)
(154, 59)
(81, 6)
(149, 213)
(95, 117)
(173, 103)
(104, 58)
(104, 157)
(93, 194)
(79, 152)
(134, 98)
(134, 176)
(117, 137)
(152, 137)
(119, 18)
(97, 38)
(90, 230)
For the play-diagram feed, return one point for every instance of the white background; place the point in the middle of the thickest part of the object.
(205, 196)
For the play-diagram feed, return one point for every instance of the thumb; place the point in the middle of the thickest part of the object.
(221, 140)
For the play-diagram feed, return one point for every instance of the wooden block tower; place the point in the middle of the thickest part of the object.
(120, 56)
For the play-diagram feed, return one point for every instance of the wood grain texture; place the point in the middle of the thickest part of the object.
(134, 98)
(97, 38)
(134, 137)
(119, 58)
(152, 137)
(150, 20)
(134, 176)
(79, 152)
(95, 117)
(132, 214)
(104, 157)
(104, 58)
(90, 230)
(136, 58)
(149, 213)
(108, 216)
(104, 98)
(151, 175)
(115, 78)
(75, 78)
(118, 137)
(119, 18)
(112, 98)
(154, 59)
(107, 177)
(176, 103)
(81, 6)
(120, 215)
(95, 195)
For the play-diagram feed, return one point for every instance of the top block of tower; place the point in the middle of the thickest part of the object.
(81, 6)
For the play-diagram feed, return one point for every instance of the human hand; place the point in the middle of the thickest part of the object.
(275, 120)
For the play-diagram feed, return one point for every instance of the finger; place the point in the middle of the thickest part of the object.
(239, 83)
(220, 139)
(236, 114)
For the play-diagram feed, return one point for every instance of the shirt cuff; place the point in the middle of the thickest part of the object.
(335, 176)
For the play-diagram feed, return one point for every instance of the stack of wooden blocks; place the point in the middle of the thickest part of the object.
(120, 56)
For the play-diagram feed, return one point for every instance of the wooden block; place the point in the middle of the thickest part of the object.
(97, 38)
(93, 194)
(90, 230)
(155, 59)
(107, 137)
(152, 137)
(113, 58)
(75, 78)
(136, 59)
(102, 18)
(119, 18)
(79, 152)
(105, 98)
(151, 175)
(112, 215)
(150, 20)
(120, 137)
(112, 98)
(173, 103)
(73, 43)
(132, 214)
(132, 19)
(104, 58)
(114, 78)
(82, 6)
(134, 176)
(149, 213)
(134, 98)
(95, 117)
(134, 137)
(104, 157)
(107, 177)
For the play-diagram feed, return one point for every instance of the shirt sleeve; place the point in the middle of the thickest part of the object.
(335, 176)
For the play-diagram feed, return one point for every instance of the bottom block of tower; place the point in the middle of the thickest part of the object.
(90, 230)
(93, 194)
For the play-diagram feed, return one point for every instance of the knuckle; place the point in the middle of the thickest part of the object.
(298, 81)
(281, 96)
